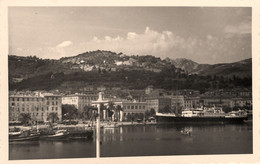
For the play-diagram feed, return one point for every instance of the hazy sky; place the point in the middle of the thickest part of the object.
(205, 35)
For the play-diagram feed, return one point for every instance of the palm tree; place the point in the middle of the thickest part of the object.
(102, 108)
(25, 118)
(110, 110)
(53, 117)
(118, 109)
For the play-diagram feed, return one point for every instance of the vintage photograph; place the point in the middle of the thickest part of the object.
(98, 82)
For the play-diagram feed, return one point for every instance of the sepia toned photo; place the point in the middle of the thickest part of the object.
(101, 82)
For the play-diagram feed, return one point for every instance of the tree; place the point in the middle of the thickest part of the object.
(25, 118)
(149, 113)
(110, 110)
(87, 112)
(129, 116)
(53, 117)
(69, 112)
(226, 109)
(152, 112)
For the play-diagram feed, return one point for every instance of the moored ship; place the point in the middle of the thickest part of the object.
(204, 115)
(16, 134)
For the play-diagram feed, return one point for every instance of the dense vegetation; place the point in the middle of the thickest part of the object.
(167, 79)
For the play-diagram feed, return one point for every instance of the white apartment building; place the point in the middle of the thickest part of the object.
(79, 100)
(39, 106)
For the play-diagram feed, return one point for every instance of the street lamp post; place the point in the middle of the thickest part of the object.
(98, 102)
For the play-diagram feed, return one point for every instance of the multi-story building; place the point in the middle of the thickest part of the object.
(79, 100)
(131, 108)
(210, 101)
(191, 102)
(39, 106)
(157, 103)
(227, 101)
(241, 102)
(186, 92)
(177, 101)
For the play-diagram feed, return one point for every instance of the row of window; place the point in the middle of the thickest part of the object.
(37, 109)
(52, 98)
(84, 98)
(52, 103)
(26, 99)
(31, 99)
(27, 104)
(135, 107)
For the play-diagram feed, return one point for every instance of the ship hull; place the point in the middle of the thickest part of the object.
(26, 138)
(207, 120)
(82, 135)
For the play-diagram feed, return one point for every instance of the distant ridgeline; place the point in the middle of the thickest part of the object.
(105, 68)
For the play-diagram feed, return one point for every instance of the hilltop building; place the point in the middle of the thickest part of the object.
(149, 90)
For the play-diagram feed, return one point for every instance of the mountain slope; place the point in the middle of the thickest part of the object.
(105, 68)
(242, 68)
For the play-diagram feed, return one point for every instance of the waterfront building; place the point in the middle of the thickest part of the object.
(79, 100)
(157, 103)
(191, 102)
(210, 101)
(38, 105)
(131, 109)
(241, 102)
(177, 101)
(239, 92)
(228, 101)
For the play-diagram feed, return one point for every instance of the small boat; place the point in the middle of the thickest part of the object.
(186, 132)
(15, 134)
(110, 125)
(58, 135)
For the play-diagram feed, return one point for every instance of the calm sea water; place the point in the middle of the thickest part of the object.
(149, 140)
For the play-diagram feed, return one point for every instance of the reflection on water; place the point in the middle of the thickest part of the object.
(149, 140)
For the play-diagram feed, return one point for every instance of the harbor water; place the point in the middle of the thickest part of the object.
(145, 140)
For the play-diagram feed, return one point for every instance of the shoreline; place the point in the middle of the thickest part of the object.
(81, 125)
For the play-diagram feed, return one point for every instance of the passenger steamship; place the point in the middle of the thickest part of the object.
(204, 115)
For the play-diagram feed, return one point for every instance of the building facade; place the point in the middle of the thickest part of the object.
(79, 100)
(157, 103)
(241, 102)
(38, 106)
(177, 101)
(210, 101)
(131, 109)
(191, 102)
